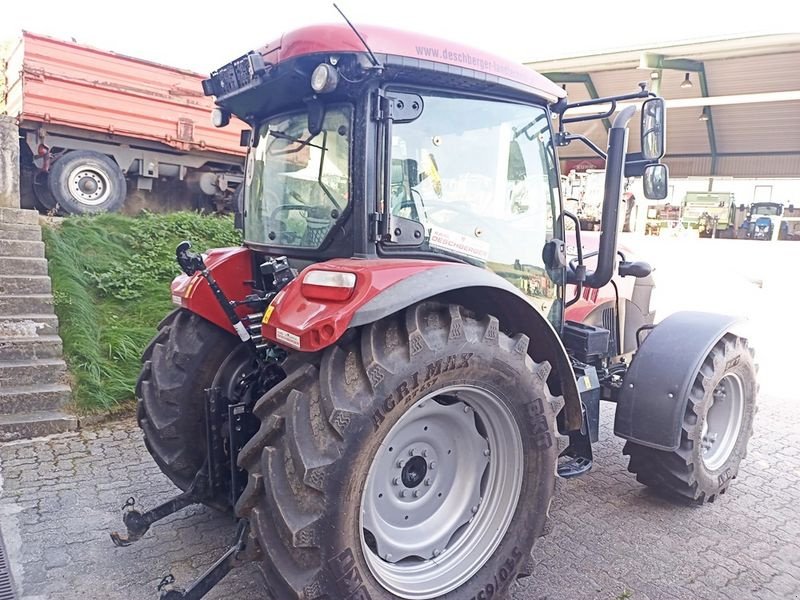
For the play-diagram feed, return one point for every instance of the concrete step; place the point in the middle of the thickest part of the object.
(17, 216)
(21, 373)
(28, 325)
(14, 231)
(22, 248)
(35, 424)
(22, 266)
(23, 285)
(34, 398)
(30, 348)
(21, 304)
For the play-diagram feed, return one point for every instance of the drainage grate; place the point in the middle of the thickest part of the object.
(6, 586)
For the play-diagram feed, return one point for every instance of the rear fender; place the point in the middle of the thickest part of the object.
(656, 388)
(386, 286)
(232, 268)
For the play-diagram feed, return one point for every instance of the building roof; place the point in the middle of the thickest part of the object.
(748, 87)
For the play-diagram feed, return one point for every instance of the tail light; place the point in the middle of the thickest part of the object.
(328, 285)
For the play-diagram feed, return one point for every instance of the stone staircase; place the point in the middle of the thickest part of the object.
(34, 388)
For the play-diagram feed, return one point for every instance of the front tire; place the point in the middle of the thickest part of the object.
(468, 414)
(717, 426)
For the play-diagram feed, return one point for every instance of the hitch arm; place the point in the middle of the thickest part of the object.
(138, 523)
(213, 575)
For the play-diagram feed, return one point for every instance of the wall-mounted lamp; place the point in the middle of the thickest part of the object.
(654, 75)
(703, 115)
(686, 83)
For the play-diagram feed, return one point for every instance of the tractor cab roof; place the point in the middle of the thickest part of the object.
(402, 56)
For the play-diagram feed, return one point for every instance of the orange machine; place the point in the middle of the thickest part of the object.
(95, 123)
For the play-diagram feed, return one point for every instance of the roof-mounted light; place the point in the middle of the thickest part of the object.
(324, 79)
(220, 117)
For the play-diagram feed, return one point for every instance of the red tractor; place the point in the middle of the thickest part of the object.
(378, 382)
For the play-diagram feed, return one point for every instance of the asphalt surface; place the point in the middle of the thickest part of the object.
(612, 538)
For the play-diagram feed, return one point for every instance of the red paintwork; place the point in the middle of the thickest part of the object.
(51, 81)
(319, 324)
(231, 267)
(339, 38)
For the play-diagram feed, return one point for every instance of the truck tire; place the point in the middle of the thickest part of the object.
(177, 367)
(41, 192)
(85, 182)
(428, 434)
(717, 426)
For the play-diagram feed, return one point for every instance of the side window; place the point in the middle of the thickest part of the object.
(298, 183)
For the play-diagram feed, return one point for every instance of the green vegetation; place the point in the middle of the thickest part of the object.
(111, 277)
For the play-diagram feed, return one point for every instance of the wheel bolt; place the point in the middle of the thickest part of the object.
(466, 409)
(416, 493)
(486, 452)
(432, 465)
(425, 453)
(436, 552)
(396, 481)
(428, 481)
(401, 463)
(403, 493)
(412, 452)
(474, 509)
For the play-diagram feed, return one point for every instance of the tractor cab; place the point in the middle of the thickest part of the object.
(405, 146)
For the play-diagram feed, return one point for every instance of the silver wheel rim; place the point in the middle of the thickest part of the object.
(723, 421)
(441, 492)
(88, 185)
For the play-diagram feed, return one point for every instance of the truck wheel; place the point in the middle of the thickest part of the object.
(178, 365)
(416, 459)
(41, 192)
(716, 427)
(84, 182)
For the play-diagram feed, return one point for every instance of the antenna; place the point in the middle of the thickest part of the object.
(372, 57)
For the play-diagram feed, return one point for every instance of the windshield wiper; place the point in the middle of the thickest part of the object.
(301, 143)
(525, 129)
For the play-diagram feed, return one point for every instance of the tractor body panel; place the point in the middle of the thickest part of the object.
(656, 387)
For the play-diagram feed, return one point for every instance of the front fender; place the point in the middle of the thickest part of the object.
(387, 286)
(232, 268)
(656, 388)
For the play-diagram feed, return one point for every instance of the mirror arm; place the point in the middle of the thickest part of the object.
(563, 139)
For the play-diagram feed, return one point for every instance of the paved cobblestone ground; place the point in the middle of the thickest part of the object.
(612, 538)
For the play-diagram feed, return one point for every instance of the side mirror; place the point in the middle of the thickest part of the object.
(653, 129)
(656, 182)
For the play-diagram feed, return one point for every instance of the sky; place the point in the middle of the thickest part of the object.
(202, 35)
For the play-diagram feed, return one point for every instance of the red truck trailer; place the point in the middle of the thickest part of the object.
(97, 128)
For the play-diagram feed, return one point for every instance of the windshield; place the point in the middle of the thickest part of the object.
(772, 210)
(297, 183)
(481, 177)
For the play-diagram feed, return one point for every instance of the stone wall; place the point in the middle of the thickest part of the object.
(9, 162)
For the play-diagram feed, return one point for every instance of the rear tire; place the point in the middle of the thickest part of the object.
(177, 367)
(317, 461)
(717, 426)
(85, 182)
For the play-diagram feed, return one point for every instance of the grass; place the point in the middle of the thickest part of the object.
(111, 277)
